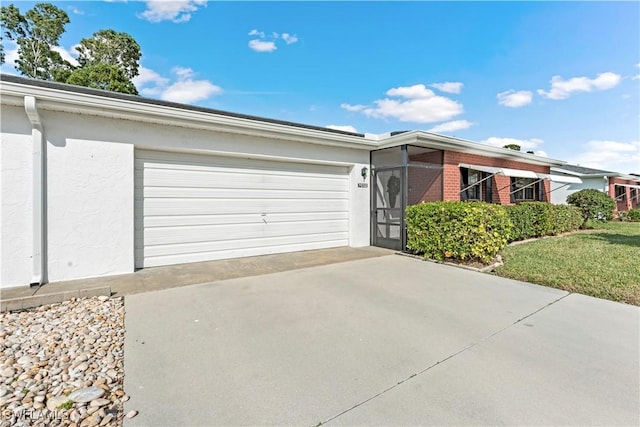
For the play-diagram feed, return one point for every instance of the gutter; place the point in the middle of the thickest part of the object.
(38, 275)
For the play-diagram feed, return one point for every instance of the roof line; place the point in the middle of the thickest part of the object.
(136, 98)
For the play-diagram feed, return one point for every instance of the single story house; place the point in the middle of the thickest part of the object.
(624, 188)
(97, 183)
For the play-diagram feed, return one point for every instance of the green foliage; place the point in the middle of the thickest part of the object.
(633, 215)
(565, 218)
(108, 59)
(66, 405)
(514, 147)
(594, 205)
(36, 33)
(537, 219)
(102, 76)
(113, 48)
(474, 231)
(530, 219)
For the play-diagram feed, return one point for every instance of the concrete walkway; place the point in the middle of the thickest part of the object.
(381, 341)
(153, 279)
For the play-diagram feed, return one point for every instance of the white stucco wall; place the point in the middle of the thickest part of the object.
(90, 187)
(559, 194)
(15, 197)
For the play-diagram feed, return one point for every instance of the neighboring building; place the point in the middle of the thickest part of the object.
(624, 188)
(96, 183)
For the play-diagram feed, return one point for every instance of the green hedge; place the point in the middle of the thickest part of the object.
(474, 231)
(537, 219)
(633, 215)
(565, 218)
(530, 219)
(595, 205)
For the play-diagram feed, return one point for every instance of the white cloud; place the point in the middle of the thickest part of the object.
(614, 156)
(68, 55)
(353, 108)
(184, 88)
(514, 99)
(562, 89)
(346, 128)
(525, 144)
(267, 43)
(451, 126)
(289, 38)
(255, 32)
(637, 76)
(262, 46)
(173, 10)
(10, 57)
(411, 104)
(148, 77)
(540, 153)
(75, 10)
(449, 87)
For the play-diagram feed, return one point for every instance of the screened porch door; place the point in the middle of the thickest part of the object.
(387, 212)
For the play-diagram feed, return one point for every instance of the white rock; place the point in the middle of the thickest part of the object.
(54, 402)
(132, 413)
(99, 402)
(86, 394)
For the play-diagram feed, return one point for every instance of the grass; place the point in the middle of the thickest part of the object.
(603, 263)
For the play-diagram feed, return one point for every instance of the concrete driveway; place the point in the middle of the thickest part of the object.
(382, 341)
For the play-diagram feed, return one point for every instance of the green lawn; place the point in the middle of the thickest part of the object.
(603, 263)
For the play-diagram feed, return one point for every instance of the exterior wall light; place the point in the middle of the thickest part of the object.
(363, 172)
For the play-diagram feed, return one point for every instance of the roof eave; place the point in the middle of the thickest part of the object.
(443, 142)
(49, 98)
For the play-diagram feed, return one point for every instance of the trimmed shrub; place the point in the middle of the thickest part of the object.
(531, 219)
(594, 205)
(633, 215)
(471, 231)
(565, 218)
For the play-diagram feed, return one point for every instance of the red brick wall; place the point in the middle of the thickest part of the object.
(502, 184)
(626, 203)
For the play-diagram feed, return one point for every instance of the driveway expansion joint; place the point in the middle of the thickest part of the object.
(462, 350)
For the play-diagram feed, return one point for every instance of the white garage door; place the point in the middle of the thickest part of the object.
(193, 208)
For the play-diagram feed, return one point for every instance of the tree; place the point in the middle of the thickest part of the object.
(594, 204)
(113, 48)
(36, 33)
(102, 76)
(514, 147)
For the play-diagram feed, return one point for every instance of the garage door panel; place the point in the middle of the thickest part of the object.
(154, 207)
(245, 193)
(190, 234)
(169, 178)
(193, 208)
(168, 221)
(222, 245)
(182, 161)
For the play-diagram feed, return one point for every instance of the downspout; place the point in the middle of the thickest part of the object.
(38, 257)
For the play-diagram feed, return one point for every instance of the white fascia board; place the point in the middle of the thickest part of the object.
(442, 142)
(560, 178)
(65, 101)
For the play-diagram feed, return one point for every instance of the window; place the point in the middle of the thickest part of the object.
(621, 193)
(475, 185)
(525, 189)
(633, 195)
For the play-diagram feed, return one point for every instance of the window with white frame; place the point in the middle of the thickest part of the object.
(621, 193)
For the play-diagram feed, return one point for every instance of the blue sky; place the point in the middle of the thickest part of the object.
(559, 78)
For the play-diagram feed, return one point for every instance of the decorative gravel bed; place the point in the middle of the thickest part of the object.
(62, 364)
